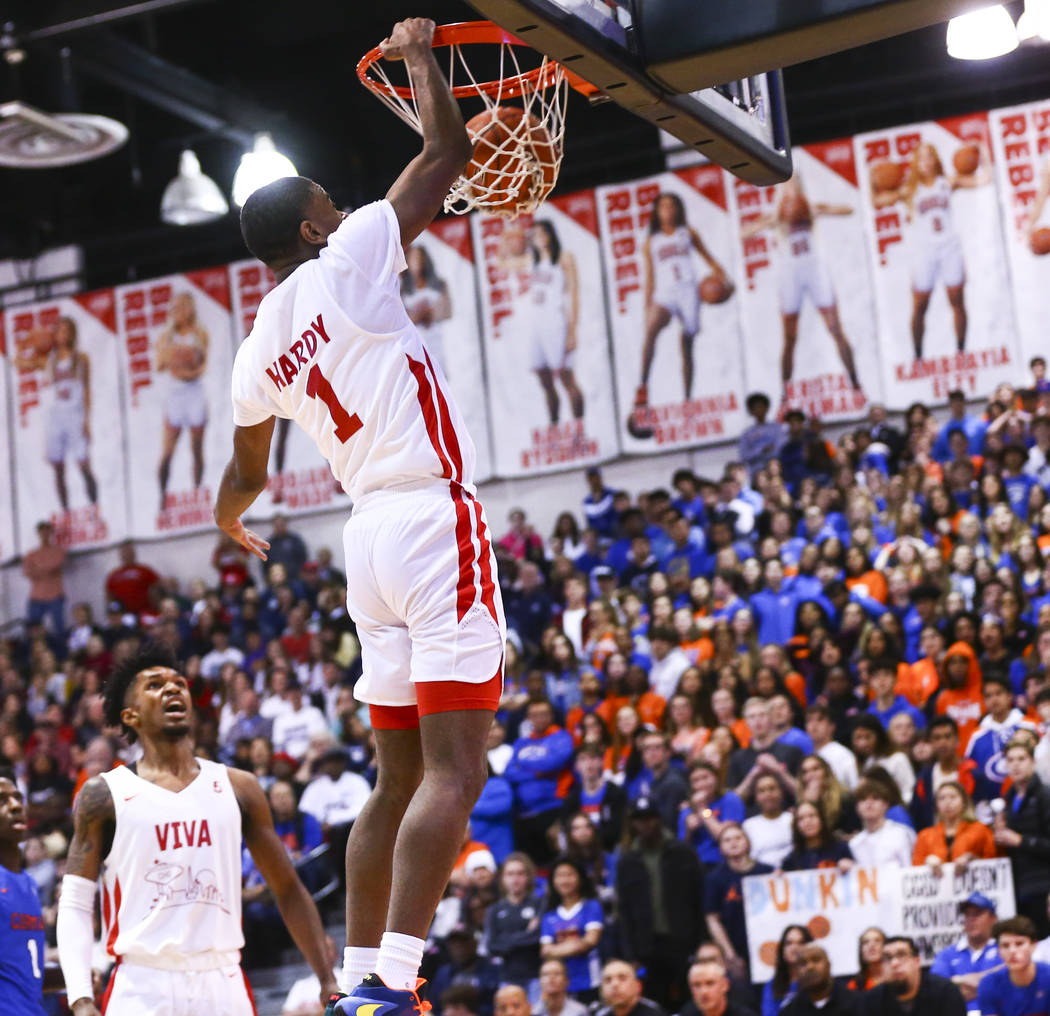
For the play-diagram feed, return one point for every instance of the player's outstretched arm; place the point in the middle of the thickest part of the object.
(418, 193)
(243, 480)
(271, 858)
(93, 822)
(759, 225)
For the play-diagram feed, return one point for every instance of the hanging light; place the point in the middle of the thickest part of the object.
(1034, 24)
(982, 34)
(262, 165)
(192, 197)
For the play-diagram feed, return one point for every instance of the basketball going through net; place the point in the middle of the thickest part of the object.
(517, 135)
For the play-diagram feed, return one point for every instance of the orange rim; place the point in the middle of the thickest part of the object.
(471, 33)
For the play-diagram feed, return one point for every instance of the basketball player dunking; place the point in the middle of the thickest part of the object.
(802, 272)
(334, 349)
(166, 837)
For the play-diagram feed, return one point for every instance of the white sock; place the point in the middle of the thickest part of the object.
(399, 960)
(358, 963)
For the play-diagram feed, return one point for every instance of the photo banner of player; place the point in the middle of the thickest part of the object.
(677, 354)
(440, 293)
(8, 379)
(935, 242)
(68, 425)
(805, 278)
(175, 367)
(1021, 142)
(300, 479)
(546, 338)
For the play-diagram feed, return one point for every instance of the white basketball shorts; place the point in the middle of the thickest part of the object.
(683, 302)
(801, 276)
(65, 434)
(548, 333)
(941, 261)
(146, 991)
(187, 404)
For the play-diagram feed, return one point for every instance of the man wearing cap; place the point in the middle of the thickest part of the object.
(975, 954)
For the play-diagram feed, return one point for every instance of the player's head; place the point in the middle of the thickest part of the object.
(288, 221)
(66, 333)
(543, 239)
(183, 312)
(668, 212)
(147, 696)
(13, 827)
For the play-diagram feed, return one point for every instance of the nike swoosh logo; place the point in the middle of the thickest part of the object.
(132, 798)
(368, 1010)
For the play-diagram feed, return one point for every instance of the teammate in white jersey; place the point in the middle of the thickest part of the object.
(182, 350)
(671, 291)
(802, 273)
(166, 837)
(68, 371)
(334, 349)
(427, 301)
(935, 247)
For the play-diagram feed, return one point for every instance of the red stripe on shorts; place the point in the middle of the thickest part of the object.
(114, 929)
(447, 430)
(248, 989)
(488, 589)
(430, 416)
(109, 988)
(466, 589)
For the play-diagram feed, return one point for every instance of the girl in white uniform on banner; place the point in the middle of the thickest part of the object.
(934, 244)
(425, 296)
(672, 290)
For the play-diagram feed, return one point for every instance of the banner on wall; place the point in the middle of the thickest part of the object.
(838, 907)
(935, 242)
(8, 546)
(68, 426)
(807, 312)
(1021, 141)
(175, 366)
(300, 479)
(546, 339)
(678, 365)
(440, 293)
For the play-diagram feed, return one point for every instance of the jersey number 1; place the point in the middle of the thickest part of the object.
(317, 387)
(34, 958)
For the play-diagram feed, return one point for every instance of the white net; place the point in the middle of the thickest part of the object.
(516, 164)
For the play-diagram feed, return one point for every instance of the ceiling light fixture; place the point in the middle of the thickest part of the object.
(262, 165)
(982, 34)
(1034, 24)
(192, 197)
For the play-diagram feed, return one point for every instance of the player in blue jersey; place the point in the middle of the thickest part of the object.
(22, 975)
(571, 928)
(1022, 986)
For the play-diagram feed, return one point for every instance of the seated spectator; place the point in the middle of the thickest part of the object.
(770, 830)
(710, 989)
(571, 927)
(335, 797)
(781, 987)
(601, 800)
(994, 732)
(683, 725)
(908, 988)
(129, 584)
(956, 836)
(466, 967)
(975, 954)
(580, 841)
(669, 662)
(818, 993)
(294, 728)
(711, 806)
(880, 840)
(886, 702)
(660, 782)
(512, 1000)
(621, 992)
(459, 1000)
(781, 716)
(821, 729)
(817, 783)
(944, 766)
(554, 992)
(1009, 989)
(521, 540)
(764, 754)
(871, 746)
(814, 844)
(512, 924)
(869, 960)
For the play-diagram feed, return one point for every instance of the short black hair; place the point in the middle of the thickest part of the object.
(1019, 925)
(757, 398)
(943, 721)
(1001, 680)
(114, 697)
(271, 216)
(909, 942)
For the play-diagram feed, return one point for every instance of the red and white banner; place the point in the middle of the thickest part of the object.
(679, 366)
(175, 365)
(8, 379)
(935, 243)
(805, 280)
(440, 292)
(300, 479)
(68, 427)
(1021, 142)
(546, 340)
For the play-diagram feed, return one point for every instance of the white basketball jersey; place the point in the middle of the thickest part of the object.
(67, 382)
(171, 884)
(547, 286)
(798, 239)
(932, 211)
(333, 349)
(672, 256)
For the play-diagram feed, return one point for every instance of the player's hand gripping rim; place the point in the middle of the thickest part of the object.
(412, 34)
(250, 541)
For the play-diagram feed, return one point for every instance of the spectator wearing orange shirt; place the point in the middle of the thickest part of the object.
(960, 696)
(956, 836)
(862, 577)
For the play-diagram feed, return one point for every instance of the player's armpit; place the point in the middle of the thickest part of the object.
(94, 818)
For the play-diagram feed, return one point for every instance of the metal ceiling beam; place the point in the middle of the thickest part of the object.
(77, 15)
(147, 77)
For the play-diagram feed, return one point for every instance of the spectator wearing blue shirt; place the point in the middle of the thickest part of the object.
(761, 441)
(571, 928)
(1022, 986)
(632, 524)
(975, 954)
(684, 546)
(922, 612)
(972, 426)
(990, 739)
(711, 806)
(688, 502)
(1018, 483)
(887, 703)
(491, 820)
(598, 506)
(774, 607)
(781, 714)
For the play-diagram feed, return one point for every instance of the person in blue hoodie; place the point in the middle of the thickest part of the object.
(774, 607)
(540, 772)
(492, 819)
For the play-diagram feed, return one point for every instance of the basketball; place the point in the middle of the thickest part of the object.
(767, 953)
(966, 160)
(507, 158)
(1039, 242)
(794, 210)
(819, 926)
(887, 176)
(714, 289)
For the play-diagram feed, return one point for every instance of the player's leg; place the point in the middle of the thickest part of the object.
(90, 483)
(572, 388)
(923, 274)
(789, 325)
(197, 447)
(60, 484)
(657, 318)
(169, 439)
(920, 304)
(953, 272)
(546, 379)
(55, 448)
(688, 340)
(833, 323)
(956, 297)
(688, 313)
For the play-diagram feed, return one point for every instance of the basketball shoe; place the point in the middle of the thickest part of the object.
(373, 998)
(638, 422)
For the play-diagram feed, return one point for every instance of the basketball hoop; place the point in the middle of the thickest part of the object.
(518, 150)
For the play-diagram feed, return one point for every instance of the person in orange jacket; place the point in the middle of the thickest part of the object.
(960, 696)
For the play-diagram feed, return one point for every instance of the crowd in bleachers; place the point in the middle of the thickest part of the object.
(831, 654)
